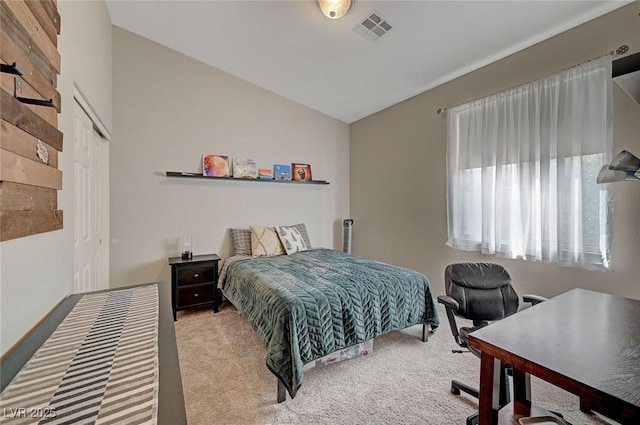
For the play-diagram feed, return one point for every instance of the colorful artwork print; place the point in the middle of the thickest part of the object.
(244, 168)
(282, 172)
(301, 172)
(215, 165)
(265, 174)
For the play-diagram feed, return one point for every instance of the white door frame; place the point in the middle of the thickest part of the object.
(79, 97)
(101, 130)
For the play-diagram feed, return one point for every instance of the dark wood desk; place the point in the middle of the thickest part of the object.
(582, 341)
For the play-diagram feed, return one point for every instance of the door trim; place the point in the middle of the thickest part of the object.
(105, 135)
(84, 104)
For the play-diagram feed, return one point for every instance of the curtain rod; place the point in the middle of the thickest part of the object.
(618, 52)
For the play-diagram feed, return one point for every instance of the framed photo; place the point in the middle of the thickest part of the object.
(215, 165)
(244, 168)
(301, 172)
(265, 174)
(281, 172)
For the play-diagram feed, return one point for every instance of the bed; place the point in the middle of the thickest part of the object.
(312, 303)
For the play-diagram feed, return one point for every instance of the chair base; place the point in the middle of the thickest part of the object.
(504, 395)
(457, 386)
(473, 419)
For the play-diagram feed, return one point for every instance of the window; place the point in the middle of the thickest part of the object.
(522, 168)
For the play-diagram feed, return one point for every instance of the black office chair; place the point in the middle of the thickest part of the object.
(480, 292)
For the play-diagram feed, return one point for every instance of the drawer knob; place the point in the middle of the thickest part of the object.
(196, 275)
(195, 295)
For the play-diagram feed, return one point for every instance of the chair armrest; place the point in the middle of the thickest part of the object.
(451, 306)
(449, 302)
(533, 299)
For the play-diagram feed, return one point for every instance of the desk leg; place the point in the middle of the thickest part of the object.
(489, 404)
(521, 393)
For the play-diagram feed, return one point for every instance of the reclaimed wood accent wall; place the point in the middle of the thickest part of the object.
(29, 107)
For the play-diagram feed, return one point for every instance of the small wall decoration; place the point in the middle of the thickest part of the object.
(215, 165)
(42, 152)
(282, 172)
(265, 174)
(244, 168)
(301, 172)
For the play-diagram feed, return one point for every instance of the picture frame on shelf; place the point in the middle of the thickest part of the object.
(244, 168)
(282, 172)
(301, 172)
(265, 174)
(216, 166)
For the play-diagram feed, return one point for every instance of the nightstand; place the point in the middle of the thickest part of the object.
(194, 282)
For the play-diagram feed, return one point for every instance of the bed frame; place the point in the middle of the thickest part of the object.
(282, 391)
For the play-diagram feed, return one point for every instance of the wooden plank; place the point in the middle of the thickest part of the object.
(18, 169)
(17, 114)
(22, 197)
(17, 224)
(44, 19)
(50, 115)
(32, 27)
(22, 143)
(15, 31)
(10, 52)
(52, 10)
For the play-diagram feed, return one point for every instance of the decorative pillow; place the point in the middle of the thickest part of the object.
(303, 232)
(265, 241)
(240, 241)
(291, 239)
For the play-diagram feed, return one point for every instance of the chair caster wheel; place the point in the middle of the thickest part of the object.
(473, 419)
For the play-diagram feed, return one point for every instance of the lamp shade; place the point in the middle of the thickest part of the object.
(334, 9)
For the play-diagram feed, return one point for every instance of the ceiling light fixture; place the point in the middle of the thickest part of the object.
(334, 9)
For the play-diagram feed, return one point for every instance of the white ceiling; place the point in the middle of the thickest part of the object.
(290, 48)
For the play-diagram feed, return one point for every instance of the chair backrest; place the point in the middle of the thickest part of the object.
(483, 290)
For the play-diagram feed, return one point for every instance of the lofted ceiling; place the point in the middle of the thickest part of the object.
(292, 49)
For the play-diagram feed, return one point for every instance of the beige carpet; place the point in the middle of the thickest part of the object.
(404, 381)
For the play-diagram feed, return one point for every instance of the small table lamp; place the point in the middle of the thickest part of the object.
(187, 248)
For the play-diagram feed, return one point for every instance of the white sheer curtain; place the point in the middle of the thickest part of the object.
(522, 168)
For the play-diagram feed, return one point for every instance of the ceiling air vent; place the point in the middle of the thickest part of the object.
(373, 27)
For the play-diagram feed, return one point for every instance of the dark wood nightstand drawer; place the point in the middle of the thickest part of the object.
(194, 282)
(193, 296)
(194, 275)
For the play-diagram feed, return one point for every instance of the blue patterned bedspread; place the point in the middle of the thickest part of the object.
(309, 304)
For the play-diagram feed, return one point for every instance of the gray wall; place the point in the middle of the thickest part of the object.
(171, 109)
(398, 181)
(37, 271)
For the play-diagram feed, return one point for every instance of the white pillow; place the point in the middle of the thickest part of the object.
(291, 239)
(265, 241)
